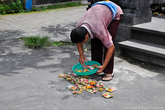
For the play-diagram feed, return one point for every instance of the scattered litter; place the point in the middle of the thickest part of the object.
(83, 83)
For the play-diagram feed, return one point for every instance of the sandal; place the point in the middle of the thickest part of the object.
(107, 77)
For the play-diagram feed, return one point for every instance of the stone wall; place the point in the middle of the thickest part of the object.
(135, 11)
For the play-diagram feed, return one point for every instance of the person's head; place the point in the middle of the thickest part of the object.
(79, 34)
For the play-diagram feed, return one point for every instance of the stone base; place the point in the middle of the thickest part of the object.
(135, 11)
(143, 51)
(123, 33)
(132, 17)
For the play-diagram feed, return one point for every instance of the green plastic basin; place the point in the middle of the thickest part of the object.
(90, 72)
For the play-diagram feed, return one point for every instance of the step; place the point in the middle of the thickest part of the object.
(150, 36)
(151, 32)
(144, 51)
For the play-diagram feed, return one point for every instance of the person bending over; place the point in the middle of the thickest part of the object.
(99, 24)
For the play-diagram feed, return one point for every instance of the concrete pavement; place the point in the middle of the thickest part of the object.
(29, 78)
(55, 23)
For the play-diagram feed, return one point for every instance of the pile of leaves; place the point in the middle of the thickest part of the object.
(86, 83)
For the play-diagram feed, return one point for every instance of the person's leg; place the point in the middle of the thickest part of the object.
(96, 50)
(109, 69)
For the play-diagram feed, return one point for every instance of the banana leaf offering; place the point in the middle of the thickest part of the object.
(85, 83)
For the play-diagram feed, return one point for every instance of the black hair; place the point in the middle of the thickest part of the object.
(78, 34)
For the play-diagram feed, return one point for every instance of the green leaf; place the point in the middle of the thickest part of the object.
(13, 4)
(12, 11)
(1, 8)
(4, 12)
(7, 8)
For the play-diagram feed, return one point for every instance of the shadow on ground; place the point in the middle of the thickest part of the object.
(14, 56)
(10, 34)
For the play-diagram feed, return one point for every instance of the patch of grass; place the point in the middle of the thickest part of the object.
(61, 43)
(36, 42)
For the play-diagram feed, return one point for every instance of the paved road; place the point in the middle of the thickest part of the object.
(55, 23)
(29, 78)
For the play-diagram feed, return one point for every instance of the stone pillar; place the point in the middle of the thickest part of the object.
(135, 11)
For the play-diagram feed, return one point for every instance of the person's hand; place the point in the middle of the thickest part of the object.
(82, 59)
(100, 69)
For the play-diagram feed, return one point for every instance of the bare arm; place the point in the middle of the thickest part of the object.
(81, 53)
